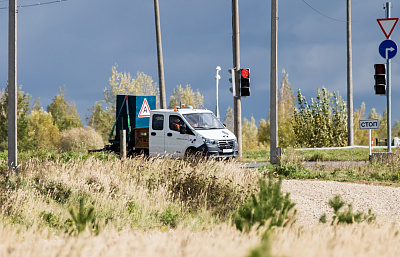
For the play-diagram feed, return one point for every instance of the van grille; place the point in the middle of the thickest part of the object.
(226, 144)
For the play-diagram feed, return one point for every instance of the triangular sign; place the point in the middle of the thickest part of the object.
(145, 110)
(387, 25)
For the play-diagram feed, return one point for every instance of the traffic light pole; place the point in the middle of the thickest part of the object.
(388, 93)
(237, 104)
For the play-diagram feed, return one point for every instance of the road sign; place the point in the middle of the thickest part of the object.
(388, 49)
(369, 124)
(387, 25)
(145, 110)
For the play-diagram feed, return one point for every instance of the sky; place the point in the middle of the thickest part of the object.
(74, 44)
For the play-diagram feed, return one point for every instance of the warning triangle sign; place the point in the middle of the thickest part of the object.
(145, 110)
(387, 25)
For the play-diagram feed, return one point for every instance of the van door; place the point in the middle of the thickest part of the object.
(157, 135)
(175, 142)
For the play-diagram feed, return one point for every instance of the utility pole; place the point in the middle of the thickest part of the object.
(12, 86)
(389, 92)
(274, 84)
(237, 104)
(161, 81)
(350, 130)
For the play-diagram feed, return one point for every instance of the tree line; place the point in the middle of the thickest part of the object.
(322, 122)
(59, 127)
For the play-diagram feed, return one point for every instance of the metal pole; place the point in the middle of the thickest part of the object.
(217, 78)
(350, 125)
(237, 104)
(369, 143)
(12, 86)
(274, 83)
(389, 93)
(161, 81)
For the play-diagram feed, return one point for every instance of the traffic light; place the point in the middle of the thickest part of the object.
(245, 82)
(380, 79)
(232, 80)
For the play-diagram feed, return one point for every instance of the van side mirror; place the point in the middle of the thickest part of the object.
(182, 129)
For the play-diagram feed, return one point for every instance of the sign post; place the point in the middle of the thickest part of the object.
(388, 50)
(369, 124)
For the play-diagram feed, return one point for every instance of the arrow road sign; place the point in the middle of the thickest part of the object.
(387, 25)
(388, 49)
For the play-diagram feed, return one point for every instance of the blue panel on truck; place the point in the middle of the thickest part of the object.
(138, 108)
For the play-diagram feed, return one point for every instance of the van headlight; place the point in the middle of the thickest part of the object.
(208, 141)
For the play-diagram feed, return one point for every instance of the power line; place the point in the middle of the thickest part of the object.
(35, 4)
(322, 13)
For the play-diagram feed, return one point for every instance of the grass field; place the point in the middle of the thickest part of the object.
(344, 154)
(166, 207)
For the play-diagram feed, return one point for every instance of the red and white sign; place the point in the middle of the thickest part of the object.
(387, 25)
(145, 110)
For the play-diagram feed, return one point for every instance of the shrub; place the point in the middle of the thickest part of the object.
(80, 140)
(82, 218)
(270, 204)
(169, 217)
(346, 216)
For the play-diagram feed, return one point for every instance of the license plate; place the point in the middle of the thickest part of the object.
(227, 150)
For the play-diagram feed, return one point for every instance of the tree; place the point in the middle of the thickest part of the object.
(360, 135)
(44, 133)
(382, 131)
(103, 112)
(186, 96)
(249, 134)
(286, 108)
(65, 115)
(263, 134)
(321, 123)
(228, 120)
(396, 129)
(23, 103)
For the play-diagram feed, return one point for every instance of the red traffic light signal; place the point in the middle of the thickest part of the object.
(245, 73)
(244, 82)
(380, 69)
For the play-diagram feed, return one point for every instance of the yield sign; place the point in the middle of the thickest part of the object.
(387, 25)
(145, 110)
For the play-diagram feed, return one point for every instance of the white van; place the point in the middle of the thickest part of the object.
(182, 131)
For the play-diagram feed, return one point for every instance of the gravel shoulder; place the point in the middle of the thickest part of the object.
(311, 198)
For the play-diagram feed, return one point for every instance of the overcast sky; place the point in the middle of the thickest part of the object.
(75, 43)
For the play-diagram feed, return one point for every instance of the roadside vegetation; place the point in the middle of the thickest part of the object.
(67, 204)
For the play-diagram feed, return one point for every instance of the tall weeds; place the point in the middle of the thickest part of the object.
(141, 192)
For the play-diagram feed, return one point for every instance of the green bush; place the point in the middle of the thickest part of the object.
(169, 217)
(269, 205)
(347, 216)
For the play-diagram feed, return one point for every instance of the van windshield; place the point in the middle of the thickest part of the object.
(200, 121)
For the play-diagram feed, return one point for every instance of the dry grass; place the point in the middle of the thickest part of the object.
(132, 197)
(218, 241)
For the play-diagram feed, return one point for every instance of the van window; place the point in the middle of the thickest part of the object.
(158, 122)
(175, 122)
